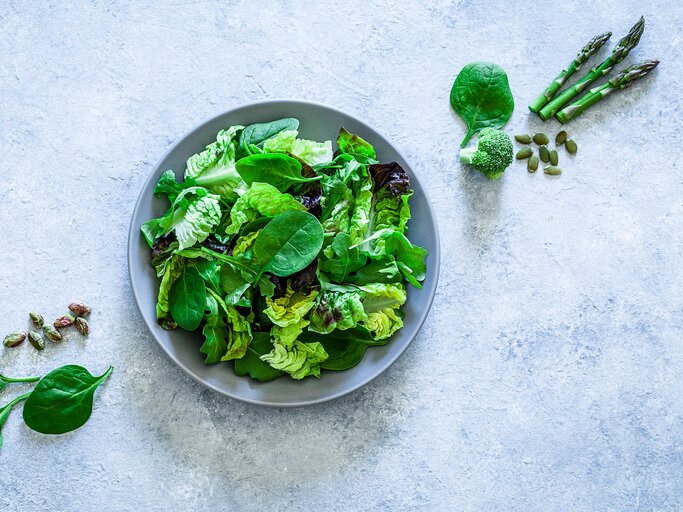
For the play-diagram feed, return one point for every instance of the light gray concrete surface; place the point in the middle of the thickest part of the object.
(548, 375)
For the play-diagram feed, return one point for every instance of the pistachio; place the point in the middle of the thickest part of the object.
(64, 321)
(524, 153)
(553, 170)
(80, 308)
(52, 334)
(532, 164)
(15, 339)
(82, 326)
(571, 146)
(36, 340)
(560, 138)
(554, 158)
(541, 138)
(524, 138)
(36, 319)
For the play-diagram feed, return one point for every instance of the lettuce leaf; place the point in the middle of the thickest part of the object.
(310, 151)
(381, 304)
(169, 273)
(300, 360)
(337, 310)
(215, 333)
(251, 363)
(290, 308)
(410, 258)
(354, 145)
(261, 199)
(363, 212)
(214, 168)
(239, 333)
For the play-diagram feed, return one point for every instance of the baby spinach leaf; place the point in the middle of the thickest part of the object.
(251, 362)
(187, 299)
(354, 145)
(258, 133)
(276, 169)
(481, 96)
(208, 269)
(289, 243)
(62, 400)
(234, 283)
(7, 409)
(9, 380)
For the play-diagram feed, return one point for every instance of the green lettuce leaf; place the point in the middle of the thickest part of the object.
(300, 360)
(261, 199)
(239, 333)
(354, 145)
(337, 310)
(363, 212)
(169, 274)
(342, 258)
(394, 244)
(215, 333)
(214, 168)
(345, 349)
(381, 303)
(290, 308)
(310, 151)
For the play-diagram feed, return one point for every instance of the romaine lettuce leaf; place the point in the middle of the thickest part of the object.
(169, 273)
(310, 151)
(239, 333)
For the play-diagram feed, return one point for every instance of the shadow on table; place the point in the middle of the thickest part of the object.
(253, 447)
(482, 199)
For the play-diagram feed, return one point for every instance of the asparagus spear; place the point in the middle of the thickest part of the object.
(586, 52)
(621, 50)
(621, 81)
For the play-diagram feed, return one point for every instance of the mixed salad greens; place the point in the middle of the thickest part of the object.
(292, 258)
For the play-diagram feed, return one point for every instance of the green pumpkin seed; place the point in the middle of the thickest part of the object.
(554, 158)
(524, 153)
(524, 138)
(36, 340)
(532, 164)
(544, 154)
(541, 138)
(553, 170)
(571, 146)
(561, 137)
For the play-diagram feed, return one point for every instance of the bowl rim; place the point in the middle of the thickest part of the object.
(134, 231)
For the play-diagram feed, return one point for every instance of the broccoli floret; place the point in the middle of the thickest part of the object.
(492, 155)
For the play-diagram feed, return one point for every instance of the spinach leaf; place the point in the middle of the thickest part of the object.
(187, 299)
(62, 400)
(481, 96)
(354, 145)
(344, 348)
(234, 283)
(215, 333)
(258, 133)
(289, 243)
(7, 409)
(276, 169)
(9, 380)
(251, 362)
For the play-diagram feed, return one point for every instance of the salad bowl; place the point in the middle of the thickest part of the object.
(318, 122)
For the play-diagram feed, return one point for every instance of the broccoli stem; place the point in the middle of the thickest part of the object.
(466, 155)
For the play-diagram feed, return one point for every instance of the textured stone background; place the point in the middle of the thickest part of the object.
(548, 375)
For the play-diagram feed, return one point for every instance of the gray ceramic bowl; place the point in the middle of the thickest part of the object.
(318, 122)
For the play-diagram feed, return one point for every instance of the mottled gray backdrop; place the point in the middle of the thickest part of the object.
(548, 375)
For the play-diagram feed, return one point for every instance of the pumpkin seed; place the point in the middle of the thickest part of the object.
(544, 154)
(553, 170)
(524, 138)
(524, 153)
(560, 138)
(532, 164)
(571, 146)
(554, 158)
(541, 138)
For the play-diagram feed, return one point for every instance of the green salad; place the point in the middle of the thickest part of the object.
(290, 257)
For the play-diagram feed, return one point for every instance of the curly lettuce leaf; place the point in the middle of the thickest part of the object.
(363, 211)
(300, 360)
(261, 199)
(394, 244)
(381, 303)
(337, 310)
(354, 145)
(239, 333)
(290, 308)
(214, 168)
(310, 151)
(169, 274)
